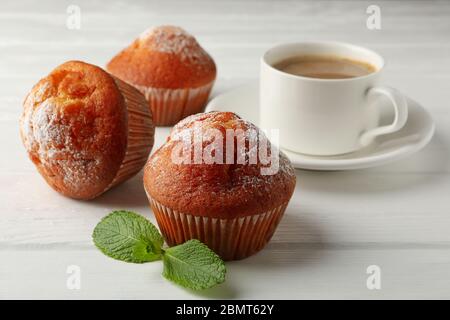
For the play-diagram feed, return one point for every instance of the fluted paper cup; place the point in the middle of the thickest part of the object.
(140, 133)
(232, 239)
(171, 105)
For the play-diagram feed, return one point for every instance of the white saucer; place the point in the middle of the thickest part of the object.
(411, 138)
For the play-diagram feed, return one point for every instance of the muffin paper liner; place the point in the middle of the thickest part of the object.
(232, 239)
(140, 133)
(169, 106)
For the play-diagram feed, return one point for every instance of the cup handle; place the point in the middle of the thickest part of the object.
(401, 113)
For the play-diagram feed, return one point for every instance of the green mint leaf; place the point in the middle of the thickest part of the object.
(193, 265)
(128, 236)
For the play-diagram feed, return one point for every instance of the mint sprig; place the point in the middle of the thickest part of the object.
(128, 236)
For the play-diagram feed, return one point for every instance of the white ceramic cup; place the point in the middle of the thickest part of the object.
(325, 116)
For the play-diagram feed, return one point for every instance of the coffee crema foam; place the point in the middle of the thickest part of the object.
(325, 67)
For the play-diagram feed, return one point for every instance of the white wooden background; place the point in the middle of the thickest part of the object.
(396, 216)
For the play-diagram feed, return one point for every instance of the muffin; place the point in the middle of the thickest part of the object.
(230, 204)
(85, 130)
(171, 69)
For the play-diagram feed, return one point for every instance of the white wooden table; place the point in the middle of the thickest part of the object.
(338, 223)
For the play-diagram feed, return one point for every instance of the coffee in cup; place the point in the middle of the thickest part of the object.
(325, 67)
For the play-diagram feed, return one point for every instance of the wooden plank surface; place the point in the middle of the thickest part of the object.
(395, 216)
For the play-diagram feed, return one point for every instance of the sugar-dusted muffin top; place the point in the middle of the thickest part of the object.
(74, 128)
(164, 57)
(224, 190)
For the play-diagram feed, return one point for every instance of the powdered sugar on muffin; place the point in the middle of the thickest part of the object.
(225, 185)
(78, 127)
(174, 40)
(255, 138)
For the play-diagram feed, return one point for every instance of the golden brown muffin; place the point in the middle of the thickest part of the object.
(232, 207)
(85, 130)
(171, 69)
